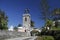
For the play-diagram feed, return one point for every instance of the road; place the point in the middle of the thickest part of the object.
(23, 38)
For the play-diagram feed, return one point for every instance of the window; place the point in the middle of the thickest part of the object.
(25, 19)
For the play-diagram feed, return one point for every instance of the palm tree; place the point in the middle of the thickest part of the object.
(44, 9)
(49, 23)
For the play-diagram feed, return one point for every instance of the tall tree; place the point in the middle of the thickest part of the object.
(56, 16)
(44, 8)
(32, 23)
(3, 20)
(56, 13)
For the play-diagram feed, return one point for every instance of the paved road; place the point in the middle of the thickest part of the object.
(31, 38)
(23, 38)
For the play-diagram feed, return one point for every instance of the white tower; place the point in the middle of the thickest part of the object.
(26, 20)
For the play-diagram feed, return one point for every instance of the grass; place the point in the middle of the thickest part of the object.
(39, 38)
(44, 38)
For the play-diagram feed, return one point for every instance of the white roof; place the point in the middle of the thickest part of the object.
(20, 27)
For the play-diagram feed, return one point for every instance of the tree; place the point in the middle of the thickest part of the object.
(56, 16)
(44, 8)
(15, 28)
(32, 23)
(56, 11)
(34, 32)
(49, 23)
(19, 25)
(3, 20)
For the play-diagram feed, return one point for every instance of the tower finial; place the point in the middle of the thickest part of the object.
(26, 10)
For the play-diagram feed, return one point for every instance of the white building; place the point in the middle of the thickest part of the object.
(26, 22)
(21, 29)
(26, 19)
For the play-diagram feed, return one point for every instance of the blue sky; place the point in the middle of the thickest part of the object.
(15, 8)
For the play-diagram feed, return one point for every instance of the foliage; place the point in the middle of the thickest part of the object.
(3, 20)
(56, 34)
(57, 37)
(49, 23)
(56, 11)
(32, 23)
(54, 28)
(15, 28)
(34, 32)
(19, 25)
(56, 14)
(43, 29)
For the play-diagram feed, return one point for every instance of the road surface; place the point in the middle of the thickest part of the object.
(23, 38)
